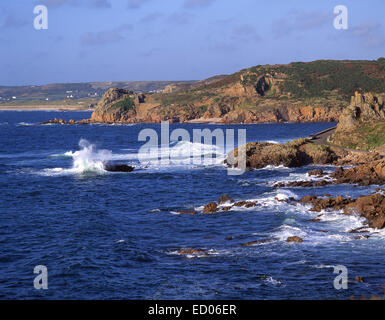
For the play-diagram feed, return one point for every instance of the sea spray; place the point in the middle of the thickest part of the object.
(89, 160)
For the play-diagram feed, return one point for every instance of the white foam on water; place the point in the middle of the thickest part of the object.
(323, 266)
(182, 154)
(202, 253)
(185, 153)
(87, 160)
(25, 124)
(338, 220)
(271, 280)
(272, 167)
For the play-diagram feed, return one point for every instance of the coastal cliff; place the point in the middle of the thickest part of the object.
(298, 92)
(362, 124)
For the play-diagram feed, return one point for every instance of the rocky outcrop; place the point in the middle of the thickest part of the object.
(320, 204)
(294, 239)
(260, 94)
(117, 105)
(358, 125)
(224, 199)
(118, 167)
(363, 108)
(282, 113)
(213, 207)
(372, 173)
(210, 208)
(372, 207)
(366, 174)
(292, 154)
(69, 122)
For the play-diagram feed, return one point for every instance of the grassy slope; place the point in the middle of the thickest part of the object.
(367, 137)
(319, 82)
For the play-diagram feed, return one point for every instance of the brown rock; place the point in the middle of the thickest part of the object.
(254, 243)
(294, 239)
(224, 199)
(240, 204)
(359, 279)
(366, 174)
(318, 172)
(210, 208)
(190, 212)
(336, 203)
(372, 207)
(250, 204)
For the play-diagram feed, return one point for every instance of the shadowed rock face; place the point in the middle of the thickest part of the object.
(363, 108)
(118, 167)
(361, 123)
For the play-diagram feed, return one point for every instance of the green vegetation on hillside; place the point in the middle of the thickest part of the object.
(367, 137)
(299, 82)
(319, 78)
(126, 104)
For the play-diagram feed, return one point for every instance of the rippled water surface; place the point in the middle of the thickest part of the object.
(117, 235)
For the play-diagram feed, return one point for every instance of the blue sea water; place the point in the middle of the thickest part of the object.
(117, 235)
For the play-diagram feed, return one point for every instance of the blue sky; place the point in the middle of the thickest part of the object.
(124, 40)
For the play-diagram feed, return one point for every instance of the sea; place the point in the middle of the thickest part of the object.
(111, 235)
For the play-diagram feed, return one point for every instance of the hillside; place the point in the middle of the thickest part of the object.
(296, 92)
(72, 93)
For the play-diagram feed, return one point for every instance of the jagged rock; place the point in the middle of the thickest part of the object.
(225, 199)
(108, 108)
(372, 207)
(366, 174)
(316, 172)
(294, 239)
(240, 203)
(246, 204)
(304, 184)
(372, 173)
(363, 108)
(358, 120)
(292, 154)
(336, 203)
(250, 205)
(69, 122)
(210, 208)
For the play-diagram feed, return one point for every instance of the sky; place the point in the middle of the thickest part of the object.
(128, 40)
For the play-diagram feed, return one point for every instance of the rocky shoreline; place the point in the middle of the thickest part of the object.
(366, 168)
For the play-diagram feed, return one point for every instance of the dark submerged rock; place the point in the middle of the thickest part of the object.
(118, 167)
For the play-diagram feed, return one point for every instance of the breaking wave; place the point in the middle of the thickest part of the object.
(86, 160)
